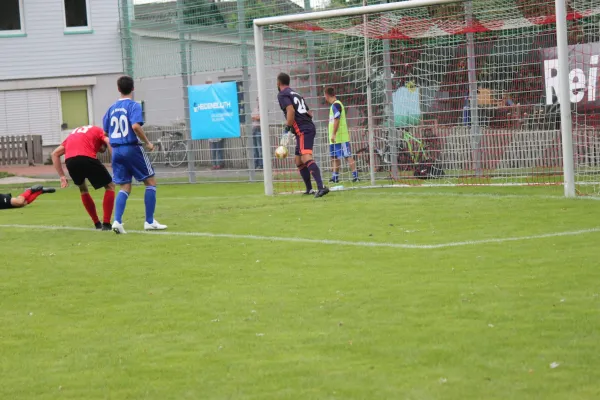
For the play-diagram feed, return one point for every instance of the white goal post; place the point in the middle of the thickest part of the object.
(499, 151)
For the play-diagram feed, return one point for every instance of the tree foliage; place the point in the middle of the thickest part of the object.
(202, 12)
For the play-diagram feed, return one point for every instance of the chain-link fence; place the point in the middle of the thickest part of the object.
(171, 45)
(500, 71)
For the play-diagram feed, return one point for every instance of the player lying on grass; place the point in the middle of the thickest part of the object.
(27, 197)
(123, 123)
(299, 122)
(80, 149)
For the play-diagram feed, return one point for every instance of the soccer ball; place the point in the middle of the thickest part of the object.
(281, 152)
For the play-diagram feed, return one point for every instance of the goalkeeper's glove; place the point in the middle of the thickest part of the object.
(288, 128)
(285, 139)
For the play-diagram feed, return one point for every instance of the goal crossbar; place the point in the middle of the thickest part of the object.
(352, 11)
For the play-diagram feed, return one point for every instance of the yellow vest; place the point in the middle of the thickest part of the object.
(342, 135)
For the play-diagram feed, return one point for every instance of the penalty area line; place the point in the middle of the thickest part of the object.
(318, 241)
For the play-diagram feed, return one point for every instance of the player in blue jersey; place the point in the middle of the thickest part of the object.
(123, 125)
(299, 121)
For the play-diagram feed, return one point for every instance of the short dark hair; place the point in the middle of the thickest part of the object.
(283, 78)
(125, 84)
(329, 91)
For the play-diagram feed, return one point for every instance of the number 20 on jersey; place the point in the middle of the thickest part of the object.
(119, 127)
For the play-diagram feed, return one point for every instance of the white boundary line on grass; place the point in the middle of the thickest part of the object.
(318, 241)
(493, 196)
(382, 192)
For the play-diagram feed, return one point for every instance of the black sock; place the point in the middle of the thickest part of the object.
(305, 173)
(316, 173)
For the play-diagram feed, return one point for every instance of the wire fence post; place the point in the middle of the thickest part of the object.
(370, 120)
(185, 75)
(126, 37)
(388, 106)
(312, 82)
(474, 105)
(247, 125)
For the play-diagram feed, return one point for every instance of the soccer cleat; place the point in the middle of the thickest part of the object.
(106, 227)
(154, 226)
(309, 192)
(118, 228)
(40, 188)
(334, 180)
(356, 179)
(322, 192)
(98, 225)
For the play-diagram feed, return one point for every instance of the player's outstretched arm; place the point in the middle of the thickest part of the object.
(56, 155)
(108, 146)
(139, 132)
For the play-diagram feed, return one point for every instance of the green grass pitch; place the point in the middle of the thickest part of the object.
(424, 293)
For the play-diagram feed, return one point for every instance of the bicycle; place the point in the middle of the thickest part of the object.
(421, 159)
(172, 147)
(382, 156)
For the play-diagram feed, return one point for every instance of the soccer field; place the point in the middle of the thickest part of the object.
(425, 293)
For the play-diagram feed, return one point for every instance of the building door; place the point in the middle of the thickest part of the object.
(75, 110)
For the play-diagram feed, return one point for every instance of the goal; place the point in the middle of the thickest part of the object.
(442, 92)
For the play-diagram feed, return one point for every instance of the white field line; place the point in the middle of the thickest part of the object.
(494, 196)
(316, 241)
(384, 192)
(134, 197)
(424, 191)
(381, 193)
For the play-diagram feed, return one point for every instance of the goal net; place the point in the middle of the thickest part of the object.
(449, 93)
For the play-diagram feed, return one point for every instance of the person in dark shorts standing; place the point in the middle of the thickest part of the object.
(80, 149)
(299, 121)
(25, 198)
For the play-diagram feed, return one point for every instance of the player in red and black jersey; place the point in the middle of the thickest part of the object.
(80, 149)
(27, 197)
(299, 121)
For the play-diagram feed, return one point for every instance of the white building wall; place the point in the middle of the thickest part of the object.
(47, 58)
(47, 50)
(33, 106)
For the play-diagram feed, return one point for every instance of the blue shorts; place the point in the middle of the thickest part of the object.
(128, 162)
(340, 150)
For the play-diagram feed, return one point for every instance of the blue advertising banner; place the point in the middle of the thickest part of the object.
(214, 111)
